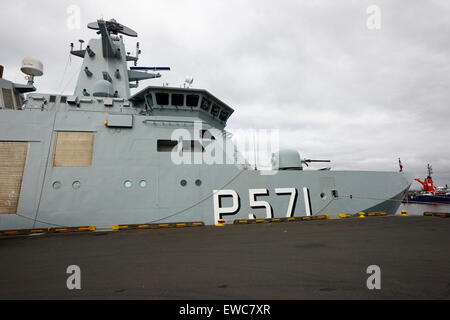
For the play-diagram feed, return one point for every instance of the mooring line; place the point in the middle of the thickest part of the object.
(390, 199)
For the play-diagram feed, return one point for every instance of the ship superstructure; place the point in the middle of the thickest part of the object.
(105, 156)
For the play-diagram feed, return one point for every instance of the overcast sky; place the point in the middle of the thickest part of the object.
(333, 87)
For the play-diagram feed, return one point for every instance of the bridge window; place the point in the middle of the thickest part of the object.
(205, 104)
(148, 99)
(215, 110)
(177, 99)
(223, 115)
(162, 98)
(192, 100)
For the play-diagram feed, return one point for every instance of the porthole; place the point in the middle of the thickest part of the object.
(183, 183)
(198, 182)
(127, 184)
(56, 185)
(76, 185)
(143, 183)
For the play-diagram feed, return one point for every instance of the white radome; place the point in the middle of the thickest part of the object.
(32, 67)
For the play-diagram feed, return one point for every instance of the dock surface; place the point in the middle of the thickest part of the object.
(289, 260)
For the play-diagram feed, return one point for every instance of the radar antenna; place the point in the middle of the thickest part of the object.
(430, 170)
(112, 26)
(188, 81)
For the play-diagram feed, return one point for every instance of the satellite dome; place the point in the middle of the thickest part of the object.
(103, 88)
(32, 67)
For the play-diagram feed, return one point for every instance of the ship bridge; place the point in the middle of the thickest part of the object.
(183, 102)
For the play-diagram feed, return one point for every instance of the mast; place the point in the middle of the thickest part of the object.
(104, 72)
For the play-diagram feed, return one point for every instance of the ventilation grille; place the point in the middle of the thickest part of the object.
(8, 98)
(13, 156)
(73, 149)
(19, 100)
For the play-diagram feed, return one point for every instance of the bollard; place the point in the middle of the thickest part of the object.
(220, 223)
(404, 213)
(362, 215)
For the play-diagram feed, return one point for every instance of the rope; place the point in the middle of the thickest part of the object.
(46, 166)
(166, 217)
(234, 178)
(388, 199)
(69, 82)
(325, 205)
(64, 73)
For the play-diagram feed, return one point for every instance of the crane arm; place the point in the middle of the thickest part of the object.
(420, 181)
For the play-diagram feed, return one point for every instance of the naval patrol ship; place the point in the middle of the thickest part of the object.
(106, 156)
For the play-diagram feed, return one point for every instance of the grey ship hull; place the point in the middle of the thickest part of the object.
(124, 179)
(129, 155)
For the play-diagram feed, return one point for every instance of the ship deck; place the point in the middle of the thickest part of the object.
(289, 260)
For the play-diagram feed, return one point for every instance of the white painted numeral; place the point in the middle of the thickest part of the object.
(292, 200)
(252, 193)
(307, 201)
(260, 203)
(218, 210)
